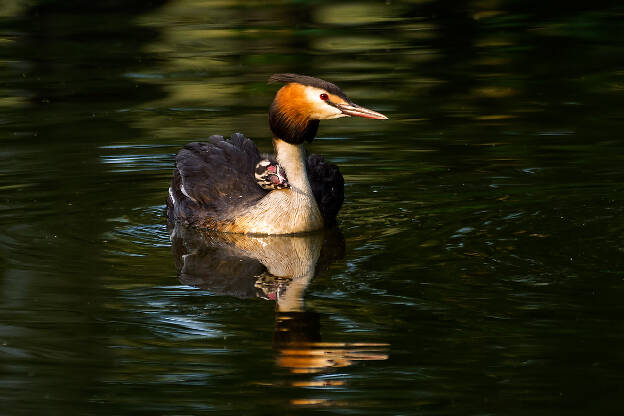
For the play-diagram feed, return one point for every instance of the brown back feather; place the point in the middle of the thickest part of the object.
(217, 176)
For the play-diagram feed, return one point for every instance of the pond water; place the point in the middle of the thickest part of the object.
(479, 261)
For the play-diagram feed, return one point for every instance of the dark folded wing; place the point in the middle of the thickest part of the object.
(213, 178)
(328, 187)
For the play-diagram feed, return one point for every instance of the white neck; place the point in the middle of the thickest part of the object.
(292, 158)
(284, 211)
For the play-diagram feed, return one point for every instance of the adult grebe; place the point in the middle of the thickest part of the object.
(220, 184)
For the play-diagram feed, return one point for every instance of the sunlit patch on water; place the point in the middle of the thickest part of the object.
(154, 235)
(180, 326)
(137, 162)
(142, 228)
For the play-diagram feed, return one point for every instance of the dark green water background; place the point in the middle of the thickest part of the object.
(483, 265)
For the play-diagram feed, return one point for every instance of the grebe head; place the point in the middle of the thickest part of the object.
(303, 101)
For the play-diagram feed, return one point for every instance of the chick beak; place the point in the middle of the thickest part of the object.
(359, 111)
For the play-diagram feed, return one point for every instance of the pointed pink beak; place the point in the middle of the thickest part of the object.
(359, 111)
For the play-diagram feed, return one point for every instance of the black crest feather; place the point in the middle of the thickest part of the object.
(311, 81)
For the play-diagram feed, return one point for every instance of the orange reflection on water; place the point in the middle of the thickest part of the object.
(319, 402)
(317, 356)
(297, 339)
(319, 383)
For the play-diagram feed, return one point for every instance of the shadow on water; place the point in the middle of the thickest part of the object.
(65, 77)
(62, 73)
(279, 269)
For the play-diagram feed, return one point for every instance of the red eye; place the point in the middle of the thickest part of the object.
(324, 97)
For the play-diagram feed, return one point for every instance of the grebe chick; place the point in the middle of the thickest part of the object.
(269, 175)
(215, 186)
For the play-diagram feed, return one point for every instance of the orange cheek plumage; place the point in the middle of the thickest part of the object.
(291, 101)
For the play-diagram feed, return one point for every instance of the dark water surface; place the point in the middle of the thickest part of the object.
(479, 263)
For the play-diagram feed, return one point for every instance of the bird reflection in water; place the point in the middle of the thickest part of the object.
(276, 268)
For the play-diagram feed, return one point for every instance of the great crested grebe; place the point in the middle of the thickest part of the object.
(225, 185)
